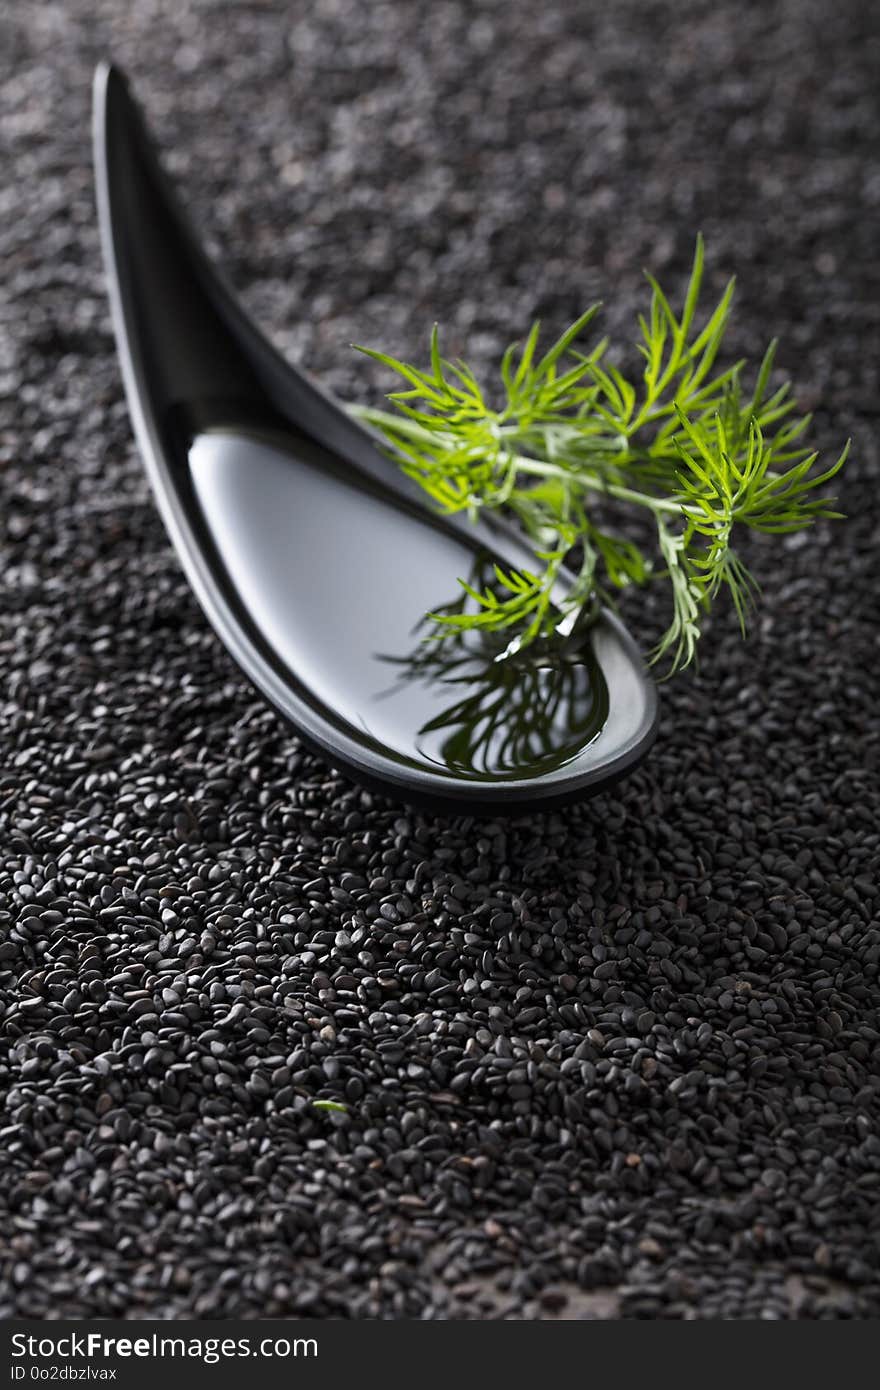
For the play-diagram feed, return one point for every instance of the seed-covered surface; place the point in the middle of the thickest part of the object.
(621, 1061)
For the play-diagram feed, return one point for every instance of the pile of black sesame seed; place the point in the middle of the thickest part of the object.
(621, 1061)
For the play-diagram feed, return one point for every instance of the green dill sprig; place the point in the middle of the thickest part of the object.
(703, 457)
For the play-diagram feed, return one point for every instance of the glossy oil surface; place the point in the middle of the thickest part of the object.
(335, 578)
(311, 556)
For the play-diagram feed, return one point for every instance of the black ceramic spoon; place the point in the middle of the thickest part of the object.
(315, 560)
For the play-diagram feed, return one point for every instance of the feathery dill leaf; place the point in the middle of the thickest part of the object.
(686, 442)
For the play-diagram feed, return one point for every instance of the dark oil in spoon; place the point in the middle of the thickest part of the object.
(333, 577)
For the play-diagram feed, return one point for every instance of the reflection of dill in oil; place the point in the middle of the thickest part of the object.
(521, 714)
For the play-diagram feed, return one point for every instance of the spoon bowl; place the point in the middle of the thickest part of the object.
(315, 560)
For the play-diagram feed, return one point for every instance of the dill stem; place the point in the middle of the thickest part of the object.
(596, 483)
(525, 464)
